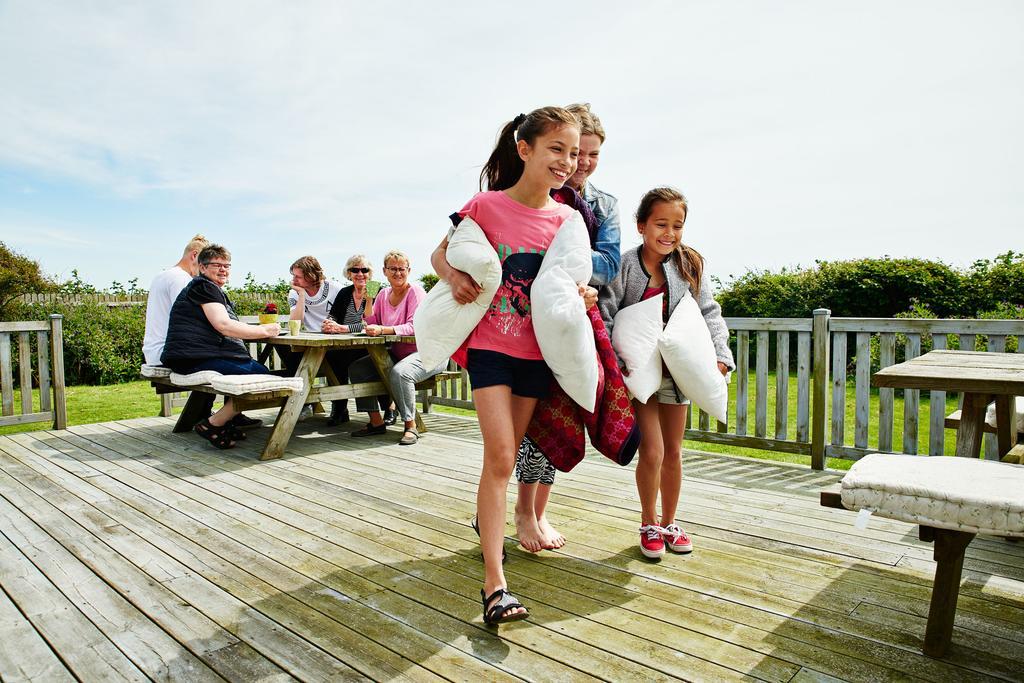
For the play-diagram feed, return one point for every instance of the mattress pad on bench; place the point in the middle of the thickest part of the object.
(963, 494)
(246, 384)
(154, 371)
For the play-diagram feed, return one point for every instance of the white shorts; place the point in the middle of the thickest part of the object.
(669, 394)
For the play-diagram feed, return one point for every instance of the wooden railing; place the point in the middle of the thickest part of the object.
(821, 356)
(40, 372)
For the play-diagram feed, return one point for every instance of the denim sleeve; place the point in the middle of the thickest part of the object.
(606, 254)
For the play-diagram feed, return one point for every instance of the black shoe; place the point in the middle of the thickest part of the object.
(339, 414)
(389, 417)
(241, 421)
(371, 430)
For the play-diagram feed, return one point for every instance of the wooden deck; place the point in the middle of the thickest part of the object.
(130, 553)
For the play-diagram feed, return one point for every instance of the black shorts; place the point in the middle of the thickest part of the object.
(528, 378)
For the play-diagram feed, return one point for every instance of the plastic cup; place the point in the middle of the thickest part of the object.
(294, 326)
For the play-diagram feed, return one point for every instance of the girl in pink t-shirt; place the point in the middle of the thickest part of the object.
(535, 154)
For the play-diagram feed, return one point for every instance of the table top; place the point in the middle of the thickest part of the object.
(970, 371)
(336, 340)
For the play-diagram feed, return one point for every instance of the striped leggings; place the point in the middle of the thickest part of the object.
(531, 465)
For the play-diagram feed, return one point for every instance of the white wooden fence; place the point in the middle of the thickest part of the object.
(40, 372)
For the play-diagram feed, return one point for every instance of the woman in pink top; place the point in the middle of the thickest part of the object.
(392, 314)
(535, 154)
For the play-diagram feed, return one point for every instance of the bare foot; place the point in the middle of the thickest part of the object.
(552, 539)
(529, 533)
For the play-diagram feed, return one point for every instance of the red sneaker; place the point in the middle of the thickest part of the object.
(676, 539)
(651, 543)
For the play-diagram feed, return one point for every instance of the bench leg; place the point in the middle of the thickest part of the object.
(972, 424)
(949, 558)
(198, 406)
(288, 415)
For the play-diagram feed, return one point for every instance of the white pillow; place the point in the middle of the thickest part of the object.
(635, 340)
(440, 322)
(990, 413)
(690, 356)
(564, 332)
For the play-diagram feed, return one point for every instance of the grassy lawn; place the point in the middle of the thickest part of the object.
(87, 404)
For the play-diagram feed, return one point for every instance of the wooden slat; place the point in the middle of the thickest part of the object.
(781, 385)
(25, 371)
(997, 343)
(911, 399)
(43, 354)
(25, 418)
(25, 656)
(769, 324)
(24, 326)
(928, 326)
(863, 390)
(6, 376)
(742, 380)
(838, 388)
(937, 410)
(803, 386)
(761, 380)
(886, 357)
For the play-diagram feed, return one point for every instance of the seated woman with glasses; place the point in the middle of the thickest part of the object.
(392, 313)
(346, 317)
(204, 333)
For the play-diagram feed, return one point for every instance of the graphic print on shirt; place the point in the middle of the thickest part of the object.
(510, 307)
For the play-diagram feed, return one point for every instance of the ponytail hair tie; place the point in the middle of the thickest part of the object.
(516, 122)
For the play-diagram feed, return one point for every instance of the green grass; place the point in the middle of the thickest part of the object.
(88, 404)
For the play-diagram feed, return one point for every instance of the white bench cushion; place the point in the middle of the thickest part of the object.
(154, 371)
(244, 384)
(964, 494)
(194, 378)
(1018, 403)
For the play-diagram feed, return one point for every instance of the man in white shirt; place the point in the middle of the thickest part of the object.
(162, 293)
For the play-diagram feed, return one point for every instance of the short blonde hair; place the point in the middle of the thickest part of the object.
(395, 254)
(358, 259)
(197, 243)
(589, 123)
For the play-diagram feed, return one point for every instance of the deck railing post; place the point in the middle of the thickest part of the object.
(60, 409)
(819, 390)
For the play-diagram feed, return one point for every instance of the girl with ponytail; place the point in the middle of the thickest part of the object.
(535, 154)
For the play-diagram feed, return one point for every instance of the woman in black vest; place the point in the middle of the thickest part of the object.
(204, 333)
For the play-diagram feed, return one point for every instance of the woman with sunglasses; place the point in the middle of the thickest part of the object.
(346, 316)
(393, 311)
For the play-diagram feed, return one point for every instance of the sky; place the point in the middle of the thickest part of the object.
(798, 130)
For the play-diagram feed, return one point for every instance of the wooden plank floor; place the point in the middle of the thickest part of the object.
(131, 553)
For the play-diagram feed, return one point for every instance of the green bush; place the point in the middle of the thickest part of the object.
(878, 288)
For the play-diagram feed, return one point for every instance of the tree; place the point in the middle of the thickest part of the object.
(19, 275)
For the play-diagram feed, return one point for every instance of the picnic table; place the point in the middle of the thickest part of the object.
(314, 347)
(980, 377)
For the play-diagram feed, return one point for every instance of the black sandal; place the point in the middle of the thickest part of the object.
(498, 612)
(476, 528)
(220, 437)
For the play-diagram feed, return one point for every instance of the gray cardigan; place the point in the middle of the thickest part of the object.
(629, 285)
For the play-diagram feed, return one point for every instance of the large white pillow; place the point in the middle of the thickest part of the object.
(564, 332)
(441, 323)
(689, 353)
(635, 340)
(990, 413)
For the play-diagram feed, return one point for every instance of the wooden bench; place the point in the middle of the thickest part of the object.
(196, 409)
(952, 500)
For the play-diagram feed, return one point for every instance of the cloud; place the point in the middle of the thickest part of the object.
(333, 126)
